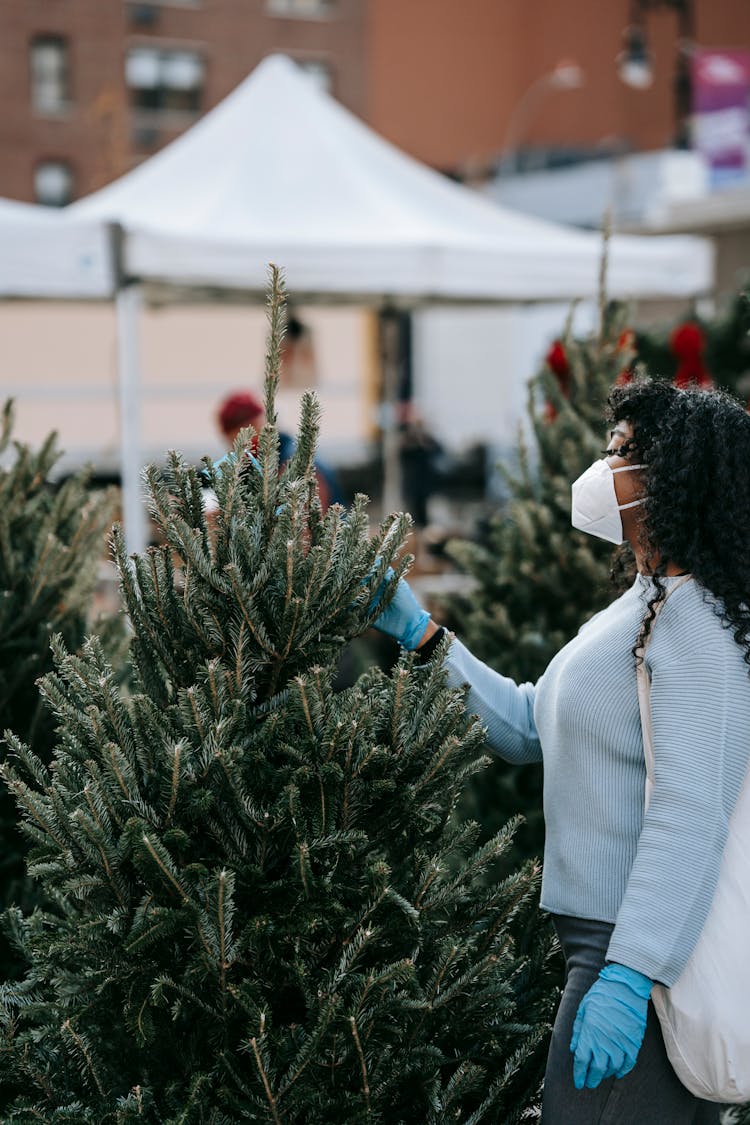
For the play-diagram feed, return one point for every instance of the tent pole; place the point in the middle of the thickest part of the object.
(390, 448)
(128, 304)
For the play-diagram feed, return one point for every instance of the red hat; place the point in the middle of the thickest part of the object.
(239, 409)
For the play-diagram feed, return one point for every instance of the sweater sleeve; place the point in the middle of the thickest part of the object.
(505, 708)
(698, 708)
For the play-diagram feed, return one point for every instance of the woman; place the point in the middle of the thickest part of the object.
(629, 892)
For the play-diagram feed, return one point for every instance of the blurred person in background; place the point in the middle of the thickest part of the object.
(629, 890)
(421, 455)
(242, 408)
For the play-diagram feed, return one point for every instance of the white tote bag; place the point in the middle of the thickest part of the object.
(705, 1015)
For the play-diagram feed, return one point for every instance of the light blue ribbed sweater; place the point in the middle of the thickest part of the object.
(652, 875)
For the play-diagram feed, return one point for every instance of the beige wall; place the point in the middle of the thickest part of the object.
(59, 362)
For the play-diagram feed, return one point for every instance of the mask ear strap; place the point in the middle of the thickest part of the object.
(628, 469)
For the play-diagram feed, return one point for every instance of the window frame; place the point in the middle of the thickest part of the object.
(307, 62)
(38, 41)
(166, 3)
(286, 10)
(159, 107)
(57, 162)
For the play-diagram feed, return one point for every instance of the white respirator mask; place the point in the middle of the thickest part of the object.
(595, 508)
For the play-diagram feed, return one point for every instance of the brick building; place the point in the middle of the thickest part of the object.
(91, 87)
(450, 81)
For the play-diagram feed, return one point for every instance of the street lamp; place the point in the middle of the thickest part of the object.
(567, 75)
(635, 63)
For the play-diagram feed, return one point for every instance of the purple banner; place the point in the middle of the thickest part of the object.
(721, 112)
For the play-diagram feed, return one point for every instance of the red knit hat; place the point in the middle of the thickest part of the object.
(239, 409)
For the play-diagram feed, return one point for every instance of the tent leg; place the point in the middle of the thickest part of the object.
(392, 485)
(128, 305)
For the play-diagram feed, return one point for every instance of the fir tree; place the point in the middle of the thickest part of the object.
(264, 907)
(51, 542)
(727, 347)
(537, 578)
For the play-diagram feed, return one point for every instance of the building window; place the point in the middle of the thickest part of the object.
(165, 80)
(301, 9)
(147, 13)
(53, 183)
(50, 73)
(320, 72)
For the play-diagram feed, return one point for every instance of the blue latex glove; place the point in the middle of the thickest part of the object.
(404, 619)
(609, 1026)
(230, 458)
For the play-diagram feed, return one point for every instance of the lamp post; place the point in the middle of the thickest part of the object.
(567, 75)
(635, 63)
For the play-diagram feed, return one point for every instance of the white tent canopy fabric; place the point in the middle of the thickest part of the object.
(45, 254)
(279, 171)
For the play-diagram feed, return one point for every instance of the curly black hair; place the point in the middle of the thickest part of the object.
(696, 449)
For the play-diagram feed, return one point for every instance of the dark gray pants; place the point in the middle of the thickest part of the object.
(650, 1095)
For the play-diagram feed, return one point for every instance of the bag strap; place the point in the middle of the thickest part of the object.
(644, 694)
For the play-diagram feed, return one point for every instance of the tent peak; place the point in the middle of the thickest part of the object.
(276, 71)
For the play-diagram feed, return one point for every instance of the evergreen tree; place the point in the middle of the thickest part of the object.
(51, 541)
(537, 578)
(727, 347)
(264, 907)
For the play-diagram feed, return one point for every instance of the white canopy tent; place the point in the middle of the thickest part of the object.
(281, 172)
(44, 254)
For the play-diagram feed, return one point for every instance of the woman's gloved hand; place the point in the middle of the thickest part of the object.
(609, 1026)
(404, 619)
